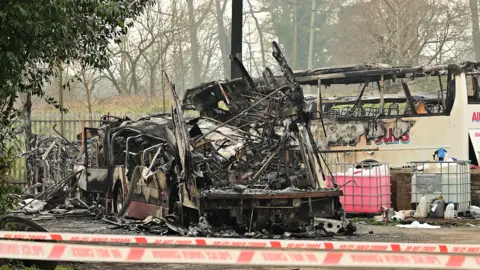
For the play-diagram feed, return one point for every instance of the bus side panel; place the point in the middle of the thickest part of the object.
(425, 135)
(473, 122)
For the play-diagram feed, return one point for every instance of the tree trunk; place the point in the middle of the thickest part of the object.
(260, 34)
(118, 85)
(123, 66)
(222, 37)
(310, 42)
(312, 30)
(294, 36)
(181, 78)
(153, 77)
(175, 38)
(193, 27)
(475, 28)
(28, 138)
(88, 92)
(60, 97)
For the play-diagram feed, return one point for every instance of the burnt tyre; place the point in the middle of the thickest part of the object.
(118, 198)
(13, 223)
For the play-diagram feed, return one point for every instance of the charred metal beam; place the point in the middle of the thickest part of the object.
(371, 72)
(441, 91)
(350, 150)
(269, 78)
(290, 195)
(409, 97)
(63, 137)
(286, 70)
(381, 88)
(359, 100)
(320, 106)
(242, 113)
(243, 71)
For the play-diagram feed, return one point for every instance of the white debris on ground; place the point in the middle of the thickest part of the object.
(32, 205)
(475, 211)
(418, 225)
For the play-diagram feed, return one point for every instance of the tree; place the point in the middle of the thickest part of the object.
(279, 21)
(399, 32)
(152, 47)
(222, 36)
(260, 33)
(88, 94)
(475, 28)
(37, 35)
(193, 25)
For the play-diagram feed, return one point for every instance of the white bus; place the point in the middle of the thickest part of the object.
(385, 127)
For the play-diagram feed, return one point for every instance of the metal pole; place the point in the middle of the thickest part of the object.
(236, 42)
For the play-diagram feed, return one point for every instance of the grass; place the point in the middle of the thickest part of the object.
(118, 104)
(372, 221)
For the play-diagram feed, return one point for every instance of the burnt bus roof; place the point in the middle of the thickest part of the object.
(353, 74)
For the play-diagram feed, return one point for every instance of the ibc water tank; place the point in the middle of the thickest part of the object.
(448, 178)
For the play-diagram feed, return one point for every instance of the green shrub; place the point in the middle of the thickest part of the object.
(8, 200)
(8, 190)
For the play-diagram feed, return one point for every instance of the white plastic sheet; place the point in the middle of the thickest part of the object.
(418, 225)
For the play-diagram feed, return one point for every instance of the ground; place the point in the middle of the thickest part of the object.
(451, 233)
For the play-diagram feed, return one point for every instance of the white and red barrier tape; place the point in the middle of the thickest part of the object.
(251, 243)
(30, 250)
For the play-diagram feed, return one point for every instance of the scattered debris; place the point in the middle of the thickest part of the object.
(389, 214)
(32, 205)
(50, 160)
(475, 211)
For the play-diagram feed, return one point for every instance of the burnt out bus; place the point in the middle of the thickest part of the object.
(250, 164)
(125, 155)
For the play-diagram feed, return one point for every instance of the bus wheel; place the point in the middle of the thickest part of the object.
(117, 198)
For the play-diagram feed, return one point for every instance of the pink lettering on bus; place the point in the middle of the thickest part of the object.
(390, 139)
(476, 117)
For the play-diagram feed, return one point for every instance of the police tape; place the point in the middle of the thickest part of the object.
(47, 251)
(251, 243)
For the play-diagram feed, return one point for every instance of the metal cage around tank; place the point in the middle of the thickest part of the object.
(450, 179)
(366, 186)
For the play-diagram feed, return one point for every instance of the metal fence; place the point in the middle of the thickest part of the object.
(43, 124)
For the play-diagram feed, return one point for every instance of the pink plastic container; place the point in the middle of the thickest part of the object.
(369, 195)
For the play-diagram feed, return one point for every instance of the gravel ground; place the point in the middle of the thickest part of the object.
(459, 234)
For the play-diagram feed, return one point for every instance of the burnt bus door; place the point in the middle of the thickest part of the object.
(94, 179)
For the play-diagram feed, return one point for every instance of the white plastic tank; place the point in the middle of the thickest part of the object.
(421, 211)
(449, 211)
(451, 179)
